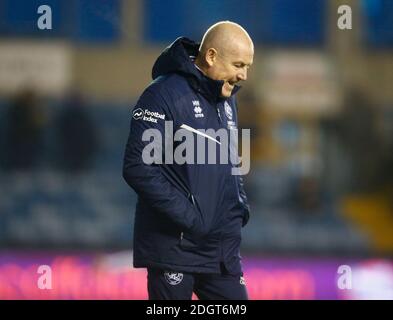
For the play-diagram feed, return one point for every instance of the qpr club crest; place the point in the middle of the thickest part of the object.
(173, 278)
(228, 110)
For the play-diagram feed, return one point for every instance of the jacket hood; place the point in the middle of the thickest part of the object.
(178, 58)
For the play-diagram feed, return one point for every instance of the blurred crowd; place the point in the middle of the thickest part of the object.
(26, 137)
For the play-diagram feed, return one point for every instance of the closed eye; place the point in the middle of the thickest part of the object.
(241, 65)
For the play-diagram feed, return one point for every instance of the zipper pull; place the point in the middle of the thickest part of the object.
(181, 235)
(219, 114)
(192, 199)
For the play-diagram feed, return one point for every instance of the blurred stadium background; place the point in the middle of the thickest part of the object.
(319, 103)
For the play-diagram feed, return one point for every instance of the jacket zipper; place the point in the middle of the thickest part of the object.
(219, 114)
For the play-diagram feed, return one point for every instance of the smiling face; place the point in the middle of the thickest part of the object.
(226, 53)
(231, 66)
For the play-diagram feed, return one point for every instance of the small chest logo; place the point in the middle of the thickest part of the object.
(173, 278)
(138, 114)
(197, 109)
(228, 110)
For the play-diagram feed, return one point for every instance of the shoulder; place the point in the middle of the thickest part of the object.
(165, 93)
(172, 85)
(168, 90)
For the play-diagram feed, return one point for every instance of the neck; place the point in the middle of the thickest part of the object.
(200, 65)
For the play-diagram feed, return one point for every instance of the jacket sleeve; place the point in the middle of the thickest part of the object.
(147, 179)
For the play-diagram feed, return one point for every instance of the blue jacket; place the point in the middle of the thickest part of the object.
(188, 216)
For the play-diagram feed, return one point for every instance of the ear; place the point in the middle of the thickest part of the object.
(210, 56)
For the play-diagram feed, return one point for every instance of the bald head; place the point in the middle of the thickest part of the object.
(225, 36)
(226, 52)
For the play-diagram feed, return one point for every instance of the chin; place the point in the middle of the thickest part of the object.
(226, 93)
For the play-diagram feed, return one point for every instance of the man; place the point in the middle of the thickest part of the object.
(189, 216)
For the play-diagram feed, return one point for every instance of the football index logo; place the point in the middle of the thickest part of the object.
(138, 114)
(147, 115)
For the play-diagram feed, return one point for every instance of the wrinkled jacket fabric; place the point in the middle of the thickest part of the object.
(188, 216)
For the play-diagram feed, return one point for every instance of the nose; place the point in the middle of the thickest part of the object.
(242, 74)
